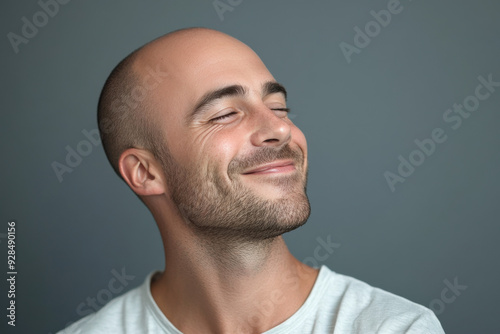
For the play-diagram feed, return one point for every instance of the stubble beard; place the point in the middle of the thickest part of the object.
(228, 213)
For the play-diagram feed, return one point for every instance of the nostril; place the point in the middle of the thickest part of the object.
(271, 140)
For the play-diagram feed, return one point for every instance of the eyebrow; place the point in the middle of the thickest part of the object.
(270, 87)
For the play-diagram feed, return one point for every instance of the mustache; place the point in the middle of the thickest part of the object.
(266, 155)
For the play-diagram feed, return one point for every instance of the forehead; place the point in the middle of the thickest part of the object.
(198, 63)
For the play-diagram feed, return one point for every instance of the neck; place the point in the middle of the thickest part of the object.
(231, 287)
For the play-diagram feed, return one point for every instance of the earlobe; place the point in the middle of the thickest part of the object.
(140, 171)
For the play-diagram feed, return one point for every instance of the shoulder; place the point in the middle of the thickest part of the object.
(122, 314)
(368, 309)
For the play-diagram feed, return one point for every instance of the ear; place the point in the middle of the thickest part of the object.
(142, 172)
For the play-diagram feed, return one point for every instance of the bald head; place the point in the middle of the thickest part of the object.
(134, 92)
(193, 114)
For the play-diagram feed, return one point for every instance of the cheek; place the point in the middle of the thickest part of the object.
(217, 150)
(213, 137)
(193, 147)
(299, 138)
(222, 150)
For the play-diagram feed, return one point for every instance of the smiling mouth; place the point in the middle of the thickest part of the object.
(276, 167)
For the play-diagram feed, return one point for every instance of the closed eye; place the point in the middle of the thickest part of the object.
(223, 116)
(282, 109)
(286, 110)
(234, 112)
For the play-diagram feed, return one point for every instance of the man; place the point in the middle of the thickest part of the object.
(205, 142)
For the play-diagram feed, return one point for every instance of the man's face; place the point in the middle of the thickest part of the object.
(222, 115)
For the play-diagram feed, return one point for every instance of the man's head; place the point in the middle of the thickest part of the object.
(193, 114)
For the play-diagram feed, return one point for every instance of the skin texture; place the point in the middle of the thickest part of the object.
(227, 268)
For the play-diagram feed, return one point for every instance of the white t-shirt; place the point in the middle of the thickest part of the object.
(337, 304)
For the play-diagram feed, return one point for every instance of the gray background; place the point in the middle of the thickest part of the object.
(358, 117)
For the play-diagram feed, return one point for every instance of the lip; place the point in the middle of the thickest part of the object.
(273, 167)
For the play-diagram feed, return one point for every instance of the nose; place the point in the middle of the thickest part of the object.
(270, 128)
